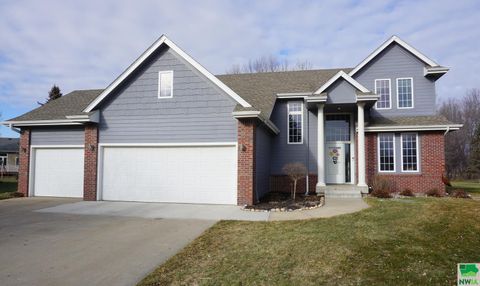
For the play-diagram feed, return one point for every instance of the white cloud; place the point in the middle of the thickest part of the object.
(86, 44)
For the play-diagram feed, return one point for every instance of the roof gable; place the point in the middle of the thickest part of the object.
(346, 77)
(163, 40)
(400, 42)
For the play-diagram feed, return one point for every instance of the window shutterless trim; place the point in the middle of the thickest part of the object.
(416, 151)
(378, 154)
(160, 73)
(389, 94)
(398, 96)
(288, 121)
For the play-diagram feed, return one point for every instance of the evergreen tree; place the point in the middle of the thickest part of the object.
(53, 94)
(474, 158)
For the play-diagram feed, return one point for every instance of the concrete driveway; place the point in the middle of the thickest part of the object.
(44, 248)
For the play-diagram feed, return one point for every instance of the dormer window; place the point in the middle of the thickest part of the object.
(165, 84)
(405, 92)
(382, 89)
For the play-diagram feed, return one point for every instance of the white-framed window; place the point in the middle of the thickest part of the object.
(386, 152)
(165, 84)
(409, 152)
(3, 160)
(383, 89)
(295, 122)
(405, 92)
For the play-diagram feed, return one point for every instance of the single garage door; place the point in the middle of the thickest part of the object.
(170, 174)
(58, 172)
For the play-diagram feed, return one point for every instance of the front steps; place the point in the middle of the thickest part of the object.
(342, 191)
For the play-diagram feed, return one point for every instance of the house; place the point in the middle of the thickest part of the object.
(8, 156)
(167, 130)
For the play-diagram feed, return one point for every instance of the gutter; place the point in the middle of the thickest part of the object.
(70, 120)
(14, 129)
(451, 127)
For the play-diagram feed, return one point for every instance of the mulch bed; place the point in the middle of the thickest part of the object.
(284, 202)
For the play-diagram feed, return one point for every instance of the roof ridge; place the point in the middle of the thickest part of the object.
(280, 72)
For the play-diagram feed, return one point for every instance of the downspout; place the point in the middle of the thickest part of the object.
(13, 128)
(448, 130)
(307, 151)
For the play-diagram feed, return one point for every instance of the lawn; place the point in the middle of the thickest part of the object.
(472, 187)
(416, 241)
(8, 185)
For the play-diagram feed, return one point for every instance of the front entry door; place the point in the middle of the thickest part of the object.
(335, 163)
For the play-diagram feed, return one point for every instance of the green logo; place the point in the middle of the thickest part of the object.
(468, 274)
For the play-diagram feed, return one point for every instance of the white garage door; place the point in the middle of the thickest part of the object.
(170, 174)
(58, 172)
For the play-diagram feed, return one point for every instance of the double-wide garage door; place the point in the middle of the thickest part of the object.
(57, 172)
(203, 174)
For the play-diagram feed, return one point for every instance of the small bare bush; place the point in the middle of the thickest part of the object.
(461, 194)
(295, 171)
(434, 193)
(407, 193)
(382, 188)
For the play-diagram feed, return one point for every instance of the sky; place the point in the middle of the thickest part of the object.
(87, 44)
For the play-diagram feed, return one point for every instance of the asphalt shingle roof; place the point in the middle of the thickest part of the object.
(260, 89)
(409, 121)
(72, 103)
(9, 145)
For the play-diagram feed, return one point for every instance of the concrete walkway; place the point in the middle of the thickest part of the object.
(332, 207)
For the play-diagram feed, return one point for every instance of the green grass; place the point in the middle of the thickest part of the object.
(8, 185)
(472, 187)
(416, 241)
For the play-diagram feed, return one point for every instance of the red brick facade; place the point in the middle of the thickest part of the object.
(283, 184)
(90, 163)
(246, 161)
(24, 162)
(432, 164)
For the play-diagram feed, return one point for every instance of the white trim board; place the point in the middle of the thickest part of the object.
(164, 40)
(400, 42)
(345, 76)
(452, 127)
(178, 144)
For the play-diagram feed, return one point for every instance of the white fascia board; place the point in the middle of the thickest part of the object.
(164, 40)
(293, 95)
(256, 114)
(42, 122)
(318, 98)
(179, 144)
(372, 97)
(93, 116)
(451, 127)
(400, 42)
(349, 79)
(435, 70)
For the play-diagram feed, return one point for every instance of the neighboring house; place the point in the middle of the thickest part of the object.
(8, 156)
(167, 130)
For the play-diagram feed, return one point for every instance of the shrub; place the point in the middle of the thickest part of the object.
(407, 193)
(461, 194)
(17, 194)
(380, 193)
(434, 193)
(382, 188)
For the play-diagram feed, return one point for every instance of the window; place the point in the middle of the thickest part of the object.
(405, 92)
(165, 84)
(295, 122)
(17, 161)
(386, 152)
(337, 127)
(382, 88)
(409, 152)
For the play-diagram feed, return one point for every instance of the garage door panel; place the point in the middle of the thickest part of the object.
(58, 172)
(170, 174)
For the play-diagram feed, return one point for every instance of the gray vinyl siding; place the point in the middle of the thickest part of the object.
(396, 62)
(341, 92)
(262, 160)
(398, 155)
(68, 135)
(284, 153)
(198, 112)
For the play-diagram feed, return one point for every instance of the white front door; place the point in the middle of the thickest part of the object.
(335, 163)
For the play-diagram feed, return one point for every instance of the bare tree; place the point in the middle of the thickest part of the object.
(457, 144)
(269, 63)
(295, 171)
